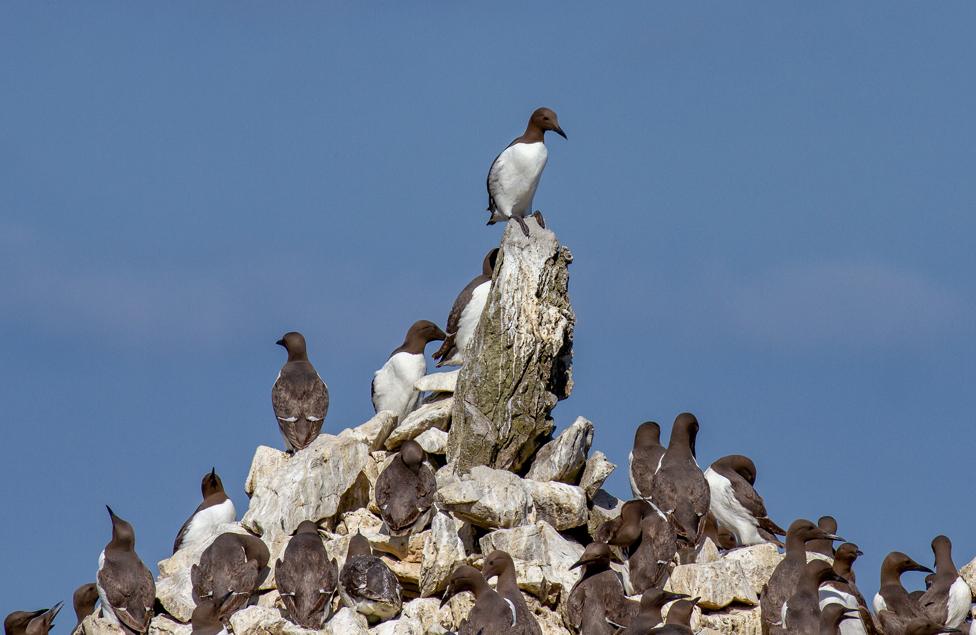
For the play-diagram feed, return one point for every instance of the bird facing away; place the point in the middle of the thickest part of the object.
(649, 539)
(466, 313)
(824, 547)
(392, 388)
(947, 601)
(782, 582)
(366, 584)
(215, 510)
(678, 621)
(31, 622)
(306, 578)
(125, 586)
(231, 568)
(801, 613)
(599, 586)
(514, 174)
(833, 616)
(83, 600)
(735, 503)
(491, 612)
(405, 491)
(645, 458)
(499, 563)
(679, 488)
(299, 396)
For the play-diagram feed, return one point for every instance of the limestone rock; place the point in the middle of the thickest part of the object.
(375, 431)
(718, 584)
(563, 458)
(422, 616)
(562, 505)
(735, 621)
(520, 356)
(595, 473)
(258, 620)
(100, 626)
(438, 382)
(165, 625)
(604, 507)
(173, 586)
(757, 562)
(968, 574)
(430, 415)
(487, 498)
(444, 549)
(542, 559)
(313, 484)
(433, 441)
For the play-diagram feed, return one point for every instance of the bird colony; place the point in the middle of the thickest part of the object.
(455, 509)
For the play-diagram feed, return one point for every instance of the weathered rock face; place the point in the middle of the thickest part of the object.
(258, 620)
(430, 415)
(563, 458)
(448, 544)
(488, 498)
(736, 577)
(520, 358)
(595, 473)
(310, 485)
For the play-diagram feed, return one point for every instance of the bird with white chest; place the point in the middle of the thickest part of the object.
(514, 174)
(393, 384)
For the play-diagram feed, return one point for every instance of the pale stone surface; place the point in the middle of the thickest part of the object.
(563, 458)
(735, 621)
(718, 584)
(542, 559)
(757, 562)
(595, 473)
(421, 616)
(100, 626)
(488, 498)
(313, 484)
(375, 431)
(604, 507)
(165, 625)
(520, 357)
(438, 382)
(427, 416)
(968, 573)
(258, 620)
(173, 587)
(562, 505)
(433, 441)
(444, 550)
(707, 552)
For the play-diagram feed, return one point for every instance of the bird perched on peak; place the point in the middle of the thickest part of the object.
(782, 582)
(405, 491)
(491, 612)
(215, 510)
(466, 313)
(514, 174)
(31, 622)
(392, 388)
(231, 568)
(679, 488)
(83, 600)
(299, 396)
(125, 586)
(499, 563)
(366, 584)
(306, 578)
(947, 601)
(736, 505)
(645, 458)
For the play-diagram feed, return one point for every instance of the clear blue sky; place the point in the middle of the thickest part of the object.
(771, 210)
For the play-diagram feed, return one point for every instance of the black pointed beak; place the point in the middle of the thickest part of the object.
(668, 596)
(447, 597)
(833, 537)
(921, 567)
(110, 512)
(280, 342)
(578, 563)
(213, 471)
(859, 552)
(559, 131)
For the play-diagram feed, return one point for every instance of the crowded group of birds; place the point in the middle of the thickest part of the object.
(676, 509)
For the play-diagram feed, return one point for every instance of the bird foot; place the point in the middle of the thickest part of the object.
(537, 215)
(521, 222)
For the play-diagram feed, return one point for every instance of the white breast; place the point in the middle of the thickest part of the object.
(515, 175)
(959, 601)
(729, 512)
(832, 595)
(879, 603)
(206, 521)
(393, 383)
(470, 317)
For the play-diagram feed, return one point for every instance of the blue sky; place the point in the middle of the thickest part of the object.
(770, 207)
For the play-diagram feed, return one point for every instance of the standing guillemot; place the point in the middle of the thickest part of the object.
(84, 599)
(649, 540)
(216, 509)
(649, 615)
(405, 491)
(299, 396)
(948, 600)
(392, 388)
(678, 621)
(801, 613)
(231, 568)
(736, 505)
(31, 622)
(893, 604)
(306, 578)
(499, 563)
(125, 586)
(491, 612)
(679, 488)
(514, 174)
(366, 584)
(205, 619)
(594, 620)
(645, 458)
(847, 593)
(824, 547)
(599, 586)
(782, 582)
(465, 314)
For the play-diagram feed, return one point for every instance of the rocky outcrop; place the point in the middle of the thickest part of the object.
(563, 458)
(520, 359)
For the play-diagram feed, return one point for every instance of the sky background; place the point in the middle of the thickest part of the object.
(771, 211)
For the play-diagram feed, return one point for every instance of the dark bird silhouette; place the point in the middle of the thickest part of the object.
(306, 577)
(601, 586)
(405, 491)
(679, 488)
(231, 567)
(645, 458)
(499, 563)
(299, 396)
(125, 586)
(84, 599)
(366, 584)
(491, 612)
(37, 622)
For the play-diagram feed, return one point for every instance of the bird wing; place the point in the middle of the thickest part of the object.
(301, 401)
(454, 317)
(426, 488)
(286, 581)
(747, 495)
(130, 592)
